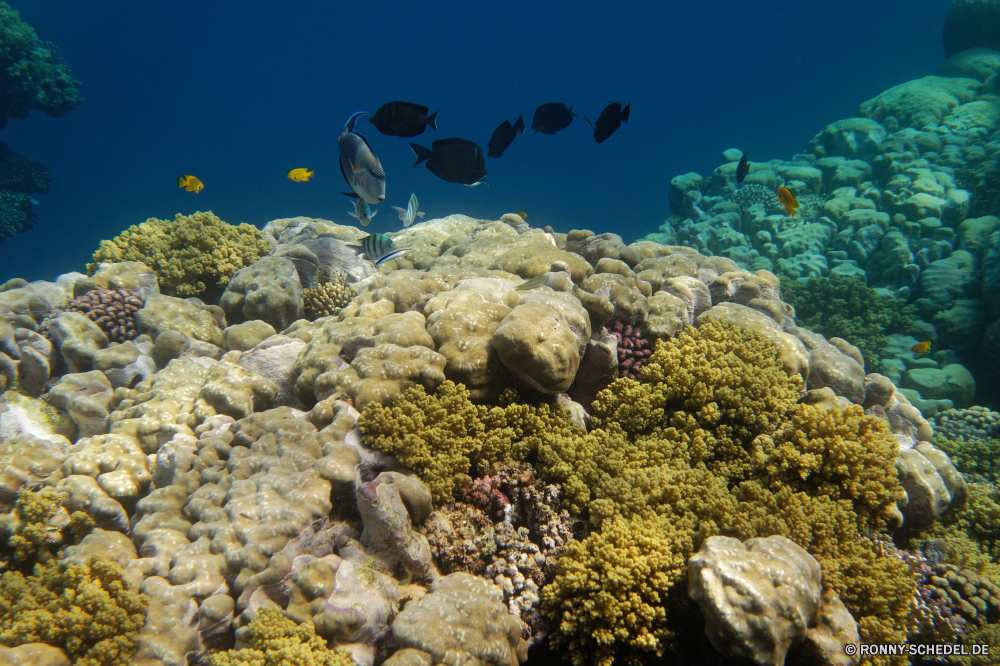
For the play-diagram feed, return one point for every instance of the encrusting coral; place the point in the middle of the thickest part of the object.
(275, 640)
(85, 609)
(190, 254)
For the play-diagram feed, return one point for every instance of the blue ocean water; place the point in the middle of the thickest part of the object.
(239, 93)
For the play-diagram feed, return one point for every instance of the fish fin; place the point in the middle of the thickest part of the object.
(590, 123)
(349, 125)
(519, 125)
(420, 213)
(401, 211)
(353, 195)
(374, 213)
(353, 214)
(571, 111)
(432, 120)
(626, 112)
(309, 173)
(422, 153)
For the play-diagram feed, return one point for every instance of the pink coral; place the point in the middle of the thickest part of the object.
(633, 348)
(485, 494)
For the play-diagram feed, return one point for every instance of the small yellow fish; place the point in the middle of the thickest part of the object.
(534, 282)
(788, 201)
(524, 216)
(190, 184)
(300, 175)
(922, 347)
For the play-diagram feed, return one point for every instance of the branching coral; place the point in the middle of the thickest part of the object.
(39, 526)
(275, 640)
(190, 254)
(434, 435)
(846, 307)
(85, 609)
(33, 75)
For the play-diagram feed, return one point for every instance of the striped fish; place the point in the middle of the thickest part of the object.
(359, 165)
(375, 246)
(362, 210)
(410, 214)
(533, 283)
(388, 256)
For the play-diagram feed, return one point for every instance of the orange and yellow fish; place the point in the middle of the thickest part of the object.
(190, 184)
(921, 347)
(788, 201)
(300, 175)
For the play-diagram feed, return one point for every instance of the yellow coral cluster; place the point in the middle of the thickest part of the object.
(85, 609)
(189, 254)
(39, 526)
(709, 440)
(276, 641)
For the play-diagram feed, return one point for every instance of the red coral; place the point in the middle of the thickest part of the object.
(633, 348)
(486, 495)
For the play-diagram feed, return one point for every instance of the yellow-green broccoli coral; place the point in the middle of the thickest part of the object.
(710, 441)
(190, 254)
(276, 641)
(39, 525)
(85, 609)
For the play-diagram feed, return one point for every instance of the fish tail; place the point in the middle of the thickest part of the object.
(626, 112)
(422, 153)
(349, 125)
(353, 195)
(420, 213)
(590, 123)
(519, 125)
(432, 120)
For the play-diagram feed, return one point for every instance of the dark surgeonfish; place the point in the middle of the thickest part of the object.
(611, 118)
(403, 119)
(453, 160)
(552, 117)
(504, 135)
(361, 169)
(742, 169)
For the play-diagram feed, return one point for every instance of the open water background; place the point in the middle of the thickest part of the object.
(238, 93)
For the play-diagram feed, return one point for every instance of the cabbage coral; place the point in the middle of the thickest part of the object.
(190, 254)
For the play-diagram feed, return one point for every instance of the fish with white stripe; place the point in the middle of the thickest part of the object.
(410, 214)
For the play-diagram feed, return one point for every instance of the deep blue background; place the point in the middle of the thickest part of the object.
(238, 93)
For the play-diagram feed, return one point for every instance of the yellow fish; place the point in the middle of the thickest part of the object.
(524, 216)
(190, 183)
(922, 347)
(788, 201)
(300, 175)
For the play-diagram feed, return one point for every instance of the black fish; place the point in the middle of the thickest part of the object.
(552, 117)
(403, 119)
(504, 135)
(742, 169)
(453, 160)
(611, 118)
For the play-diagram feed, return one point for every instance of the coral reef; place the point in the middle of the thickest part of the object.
(35, 77)
(327, 298)
(191, 254)
(276, 640)
(20, 178)
(38, 526)
(633, 348)
(113, 310)
(845, 307)
(86, 609)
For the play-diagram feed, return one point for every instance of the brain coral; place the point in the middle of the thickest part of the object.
(34, 74)
(190, 254)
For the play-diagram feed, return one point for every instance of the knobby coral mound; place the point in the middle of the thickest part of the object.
(190, 254)
(113, 310)
(34, 75)
(85, 609)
